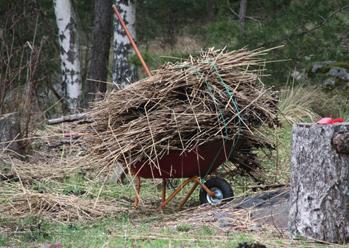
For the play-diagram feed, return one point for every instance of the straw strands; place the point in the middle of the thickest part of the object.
(183, 105)
(13, 169)
(22, 202)
(217, 95)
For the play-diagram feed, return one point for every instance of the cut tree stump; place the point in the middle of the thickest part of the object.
(10, 132)
(319, 193)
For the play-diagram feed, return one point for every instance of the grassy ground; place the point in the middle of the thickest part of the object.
(147, 226)
(137, 228)
(144, 227)
(123, 231)
(118, 232)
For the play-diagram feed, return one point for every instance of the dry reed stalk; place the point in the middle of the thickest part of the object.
(47, 169)
(183, 105)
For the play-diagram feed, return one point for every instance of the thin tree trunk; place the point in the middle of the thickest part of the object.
(211, 10)
(123, 71)
(69, 52)
(10, 132)
(171, 38)
(242, 15)
(102, 32)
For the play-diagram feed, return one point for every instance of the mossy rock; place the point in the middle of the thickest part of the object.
(337, 69)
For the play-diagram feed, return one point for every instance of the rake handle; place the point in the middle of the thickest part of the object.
(129, 36)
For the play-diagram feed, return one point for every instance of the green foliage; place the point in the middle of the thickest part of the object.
(84, 10)
(155, 61)
(184, 228)
(277, 167)
(166, 18)
(26, 32)
(222, 33)
(333, 105)
(3, 240)
(309, 30)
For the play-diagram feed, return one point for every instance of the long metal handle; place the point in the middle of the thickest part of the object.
(129, 36)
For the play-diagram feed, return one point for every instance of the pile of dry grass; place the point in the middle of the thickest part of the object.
(13, 169)
(21, 202)
(223, 218)
(296, 103)
(183, 105)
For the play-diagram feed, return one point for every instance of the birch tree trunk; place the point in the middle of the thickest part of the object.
(123, 71)
(242, 15)
(69, 52)
(319, 194)
(102, 32)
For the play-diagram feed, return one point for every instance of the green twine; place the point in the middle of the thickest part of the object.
(228, 91)
(221, 117)
(231, 95)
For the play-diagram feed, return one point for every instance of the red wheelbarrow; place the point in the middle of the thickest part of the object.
(195, 165)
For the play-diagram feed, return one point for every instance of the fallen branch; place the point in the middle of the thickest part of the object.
(67, 118)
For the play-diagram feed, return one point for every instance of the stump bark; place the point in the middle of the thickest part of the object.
(319, 194)
(9, 132)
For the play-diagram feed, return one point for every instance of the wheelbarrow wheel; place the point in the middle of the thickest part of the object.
(221, 188)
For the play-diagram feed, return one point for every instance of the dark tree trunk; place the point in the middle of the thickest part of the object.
(211, 10)
(319, 195)
(242, 15)
(102, 32)
(171, 29)
(10, 132)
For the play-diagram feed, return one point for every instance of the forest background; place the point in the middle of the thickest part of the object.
(313, 35)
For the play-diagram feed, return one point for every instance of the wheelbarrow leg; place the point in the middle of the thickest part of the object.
(138, 190)
(195, 180)
(175, 192)
(204, 187)
(164, 185)
(190, 192)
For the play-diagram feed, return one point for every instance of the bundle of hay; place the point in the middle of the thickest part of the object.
(183, 105)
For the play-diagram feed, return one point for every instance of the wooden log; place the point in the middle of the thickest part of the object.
(10, 132)
(319, 193)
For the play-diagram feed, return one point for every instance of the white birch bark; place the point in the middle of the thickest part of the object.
(69, 52)
(319, 190)
(123, 72)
